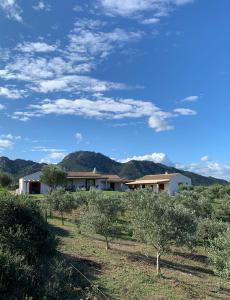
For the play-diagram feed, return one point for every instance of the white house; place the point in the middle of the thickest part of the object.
(31, 184)
(169, 183)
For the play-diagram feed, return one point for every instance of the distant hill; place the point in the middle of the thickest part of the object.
(87, 161)
(19, 167)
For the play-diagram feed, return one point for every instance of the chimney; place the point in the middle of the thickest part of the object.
(94, 170)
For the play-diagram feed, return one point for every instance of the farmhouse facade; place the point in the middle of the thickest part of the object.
(169, 183)
(31, 184)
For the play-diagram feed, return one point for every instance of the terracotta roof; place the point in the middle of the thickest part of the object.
(140, 182)
(153, 179)
(158, 176)
(85, 175)
(115, 178)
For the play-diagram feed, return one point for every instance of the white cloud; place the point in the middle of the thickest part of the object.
(41, 6)
(205, 158)
(11, 9)
(36, 47)
(155, 157)
(191, 99)
(78, 137)
(150, 21)
(11, 93)
(208, 167)
(56, 155)
(159, 123)
(75, 83)
(101, 108)
(88, 40)
(185, 111)
(2, 107)
(5, 143)
(131, 8)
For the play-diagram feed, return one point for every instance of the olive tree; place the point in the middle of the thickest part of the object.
(5, 179)
(100, 214)
(62, 202)
(53, 176)
(158, 222)
(208, 230)
(219, 254)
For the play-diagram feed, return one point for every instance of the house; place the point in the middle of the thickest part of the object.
(31, 184)
(169, 183)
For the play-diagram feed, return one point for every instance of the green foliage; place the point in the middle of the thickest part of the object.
(100, 214)
(62, 202)
(159, 222)
(53, 176)
(5, 179)
(29, 268)
(195, 201)
(222, 211)
(208, 230)
(219, 254)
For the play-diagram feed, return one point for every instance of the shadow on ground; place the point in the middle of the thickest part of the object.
(184, 268)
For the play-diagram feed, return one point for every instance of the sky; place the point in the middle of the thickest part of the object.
(132, 79)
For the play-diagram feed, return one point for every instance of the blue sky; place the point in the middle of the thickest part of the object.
(143, 79)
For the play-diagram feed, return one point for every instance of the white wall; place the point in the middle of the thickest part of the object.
(174, 184)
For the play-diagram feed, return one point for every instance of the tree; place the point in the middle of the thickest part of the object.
(100, 214)
(53, 176)
(160, 223)
(208, 230)
(195, 201)
(219, 254)
(62, 202)
(5, 179)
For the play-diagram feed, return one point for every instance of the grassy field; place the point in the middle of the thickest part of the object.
(127, 271)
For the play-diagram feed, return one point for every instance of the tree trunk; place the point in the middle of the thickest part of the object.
(62, 218)
(107, 243)
(158, 264)
(46, 216)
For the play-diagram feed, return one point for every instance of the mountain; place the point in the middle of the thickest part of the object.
(87, 161)
(19, 167)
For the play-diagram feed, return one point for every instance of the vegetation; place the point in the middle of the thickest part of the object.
(5, 179)
(53, 176)
(100, 215)
(186, 237)
(160, 223)
(219, 253)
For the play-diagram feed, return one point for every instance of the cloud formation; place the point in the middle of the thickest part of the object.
(11, 9)
(132, 8)
(156, 157)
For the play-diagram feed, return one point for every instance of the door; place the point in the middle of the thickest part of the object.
(35, 188)
(161, 187)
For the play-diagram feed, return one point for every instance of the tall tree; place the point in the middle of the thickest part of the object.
(160, 223)
(53, 176)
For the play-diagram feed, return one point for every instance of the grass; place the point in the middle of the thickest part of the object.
(127, 271)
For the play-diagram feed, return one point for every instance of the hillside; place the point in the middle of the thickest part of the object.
(19, 167)
(87, 161)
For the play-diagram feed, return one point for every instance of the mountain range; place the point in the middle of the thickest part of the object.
(87, 161)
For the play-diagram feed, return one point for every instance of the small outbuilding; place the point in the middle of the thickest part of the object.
(169, 183)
